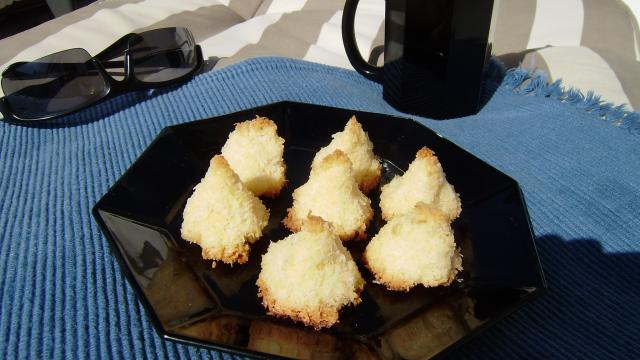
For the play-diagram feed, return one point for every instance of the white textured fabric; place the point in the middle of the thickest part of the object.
(634, 7)
(236, 37)
(574, 62)
(557, 23)
(105, 26)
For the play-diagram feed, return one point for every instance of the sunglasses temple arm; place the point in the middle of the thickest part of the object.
(111, 64)
(53, 75)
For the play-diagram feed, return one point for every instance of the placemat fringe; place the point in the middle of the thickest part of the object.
(535, 82)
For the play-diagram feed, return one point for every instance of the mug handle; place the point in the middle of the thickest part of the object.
(349, 39)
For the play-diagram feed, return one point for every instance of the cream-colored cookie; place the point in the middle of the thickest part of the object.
(254, 151)
(309, 276)
(222, 216)
(332, 193)
(414, 248)
(424, 181)
(355, 143)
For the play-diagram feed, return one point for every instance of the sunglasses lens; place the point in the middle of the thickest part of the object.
(53, 85)
(163, 54)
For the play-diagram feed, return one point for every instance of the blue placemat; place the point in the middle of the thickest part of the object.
(62, 294)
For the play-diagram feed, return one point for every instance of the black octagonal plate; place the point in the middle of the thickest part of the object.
(189, 301)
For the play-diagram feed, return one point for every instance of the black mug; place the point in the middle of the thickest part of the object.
(435, 54)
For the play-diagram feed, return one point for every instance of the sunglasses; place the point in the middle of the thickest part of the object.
(71, 80)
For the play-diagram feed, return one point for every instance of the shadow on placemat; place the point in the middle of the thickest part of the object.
(590, 309)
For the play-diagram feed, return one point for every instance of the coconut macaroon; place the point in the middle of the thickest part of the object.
(309, 276)
(222, 216)
(254, 150)
(355, 143)
(332, 193)
(414, 248)
(424, 181)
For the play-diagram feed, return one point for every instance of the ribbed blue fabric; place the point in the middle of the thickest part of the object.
(62, 294)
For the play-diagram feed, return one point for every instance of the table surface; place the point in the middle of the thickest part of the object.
(63, 295)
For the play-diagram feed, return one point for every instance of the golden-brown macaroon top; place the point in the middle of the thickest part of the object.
(355, 143)
(414, 248)
(424, 181)
(255, 152)
(309, 276)
(332, 193)
(222, 216)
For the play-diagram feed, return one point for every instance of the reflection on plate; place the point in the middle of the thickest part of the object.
(189, 301)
